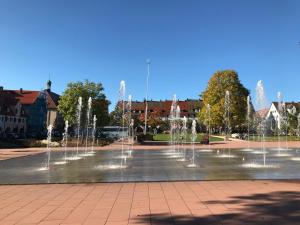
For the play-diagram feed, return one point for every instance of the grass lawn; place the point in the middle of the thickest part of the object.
(166, 137)
(275, 138)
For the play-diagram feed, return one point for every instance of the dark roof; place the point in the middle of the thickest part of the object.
(288, 104)
(52, 99)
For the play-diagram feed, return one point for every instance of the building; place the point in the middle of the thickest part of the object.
(38, 109)
(262, 113)
(278, 114)
(34, 104)
(189, 108)
(53, 116)
(12, 115)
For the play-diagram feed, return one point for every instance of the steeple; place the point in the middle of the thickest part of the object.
(49, 85)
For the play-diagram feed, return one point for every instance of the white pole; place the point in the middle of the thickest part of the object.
(147, 87)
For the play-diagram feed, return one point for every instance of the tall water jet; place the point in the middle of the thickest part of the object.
(78, 117)
(88, 118)
(131, 130)
(122, 91)
(261, 103)
(66, 138)
(94, 132)
(227, 119)
(193, 139)
(130, 125)
(279, 120)
(248, 118)
(286, 124)
(178, 126)
(208, 109)
(184, 135)
(65, 144)
(49, 138)
(227, 114)
(172, 119)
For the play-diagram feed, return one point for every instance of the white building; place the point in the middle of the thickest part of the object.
(278, 114)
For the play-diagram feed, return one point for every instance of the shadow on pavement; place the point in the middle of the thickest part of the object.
(280, 208)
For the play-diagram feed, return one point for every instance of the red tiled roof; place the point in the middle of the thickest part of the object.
(262, 113)
(164, 107)
(26, 97)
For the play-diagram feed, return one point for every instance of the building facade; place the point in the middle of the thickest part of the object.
(12, 115)
(189, 108)
(53, 116)
(30, 112)
(279, 111)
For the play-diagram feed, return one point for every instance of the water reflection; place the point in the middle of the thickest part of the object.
(152, 165)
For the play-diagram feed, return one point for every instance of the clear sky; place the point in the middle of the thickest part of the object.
(187, 41)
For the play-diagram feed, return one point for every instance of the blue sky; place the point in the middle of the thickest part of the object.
(187, 41)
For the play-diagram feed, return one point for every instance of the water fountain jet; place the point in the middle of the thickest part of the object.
(193, 138)
(78, 116)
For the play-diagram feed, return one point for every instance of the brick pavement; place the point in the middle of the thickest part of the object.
(203, 202)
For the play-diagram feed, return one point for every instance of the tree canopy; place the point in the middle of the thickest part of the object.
(214, 95)
(69, 100)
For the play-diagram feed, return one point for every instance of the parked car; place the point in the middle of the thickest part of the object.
(235, 135)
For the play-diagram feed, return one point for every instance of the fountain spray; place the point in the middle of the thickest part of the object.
(122, 100)
(66, 138)
(177, 126)
(78, 116)
(227, 117)
(88, 115)
(130, 125)
(94, 132)
(248, 118)
(193, 138)
(227, 113)
(261, 102)
(184, 130)
(49, 138)
(279, 122)
(208, 109)
(286, 123)
(173, 122)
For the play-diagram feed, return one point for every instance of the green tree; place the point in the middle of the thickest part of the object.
(219, 83)
(116, 116)
(292, 123)
(69, 100)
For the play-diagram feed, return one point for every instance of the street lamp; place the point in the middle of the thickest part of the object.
(147, 87)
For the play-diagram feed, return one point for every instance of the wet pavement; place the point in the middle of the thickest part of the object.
(149, 165)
